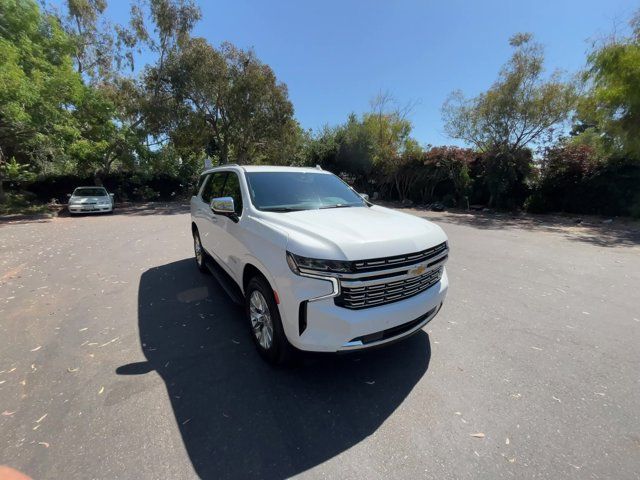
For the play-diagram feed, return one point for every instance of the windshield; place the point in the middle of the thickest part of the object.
(291, 191)
(89, 192)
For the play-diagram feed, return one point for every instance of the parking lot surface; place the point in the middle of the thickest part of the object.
(119, 360)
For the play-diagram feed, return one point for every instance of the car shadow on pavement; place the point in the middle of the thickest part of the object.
(240, 417)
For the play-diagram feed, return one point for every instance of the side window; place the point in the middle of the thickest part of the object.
(232, 189)
(213, 187)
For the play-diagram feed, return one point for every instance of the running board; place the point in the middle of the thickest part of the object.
(226, 282)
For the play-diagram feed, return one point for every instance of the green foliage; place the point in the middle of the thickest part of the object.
(448, 167)
(520, 108)
(575, 178)
(12, 171)
(72, 111)
(612, 105)
(22, 204)
(38, 85)
(225, 102)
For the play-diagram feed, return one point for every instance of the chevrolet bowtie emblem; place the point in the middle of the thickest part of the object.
(419, 270)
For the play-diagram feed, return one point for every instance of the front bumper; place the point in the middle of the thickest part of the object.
(332, 328)
(80, 208)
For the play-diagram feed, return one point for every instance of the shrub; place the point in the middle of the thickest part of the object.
(574, 178)
(125, 185)
(634, 210)
(503, 178)
(536, 203)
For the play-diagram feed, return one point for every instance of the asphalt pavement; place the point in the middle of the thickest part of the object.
(119, 360)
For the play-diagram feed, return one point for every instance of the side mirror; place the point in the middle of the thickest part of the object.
(68, 195)
(365, 196)
(222, 206)
(112, 195)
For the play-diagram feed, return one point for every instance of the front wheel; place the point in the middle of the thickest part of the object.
(264, 321)
(199, 252)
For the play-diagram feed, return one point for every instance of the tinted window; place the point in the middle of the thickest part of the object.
(90, 192)
(300, 191)
(213, 187)
(232, 189)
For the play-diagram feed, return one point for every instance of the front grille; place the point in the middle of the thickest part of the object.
(375, 264)
(389, 292)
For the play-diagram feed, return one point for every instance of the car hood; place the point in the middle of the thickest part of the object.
(354, 233)
(88, 199)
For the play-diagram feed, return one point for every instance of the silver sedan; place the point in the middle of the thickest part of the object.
(90, 200)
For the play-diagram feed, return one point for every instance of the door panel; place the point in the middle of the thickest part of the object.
(210, 230)
(231, 247)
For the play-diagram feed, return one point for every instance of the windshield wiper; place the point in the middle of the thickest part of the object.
(338, 205)
(281, 209)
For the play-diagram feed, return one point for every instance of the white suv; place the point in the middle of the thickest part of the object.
(317, 266)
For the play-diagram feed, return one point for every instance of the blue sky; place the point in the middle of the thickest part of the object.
(335, 55)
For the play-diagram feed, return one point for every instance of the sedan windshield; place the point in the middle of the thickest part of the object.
(292, 191)
(90, 192)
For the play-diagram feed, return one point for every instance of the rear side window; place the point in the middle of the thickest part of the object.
(213, 187)
(232, 189)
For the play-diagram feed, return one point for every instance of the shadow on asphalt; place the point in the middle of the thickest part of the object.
(137, 209)
(238, 416)
(131, 209)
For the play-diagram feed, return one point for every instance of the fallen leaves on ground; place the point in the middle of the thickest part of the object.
(110, 341)
(477, 435)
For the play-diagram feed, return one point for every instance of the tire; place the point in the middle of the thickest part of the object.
(265, 325)
(199, 253)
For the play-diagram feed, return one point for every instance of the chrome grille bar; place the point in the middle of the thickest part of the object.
(382, 293)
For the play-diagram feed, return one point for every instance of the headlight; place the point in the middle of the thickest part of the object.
(297, 262)
(103, 202)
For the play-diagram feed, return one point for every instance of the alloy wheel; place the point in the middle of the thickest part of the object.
(197, 247)
(261, 322)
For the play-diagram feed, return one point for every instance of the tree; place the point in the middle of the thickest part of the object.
(519, 109)
(117, 110)
(226, 102)
(394, 149)
(38, 86)
(611, 109)
(448, 164)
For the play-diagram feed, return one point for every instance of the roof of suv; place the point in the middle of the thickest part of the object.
(269, 168)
